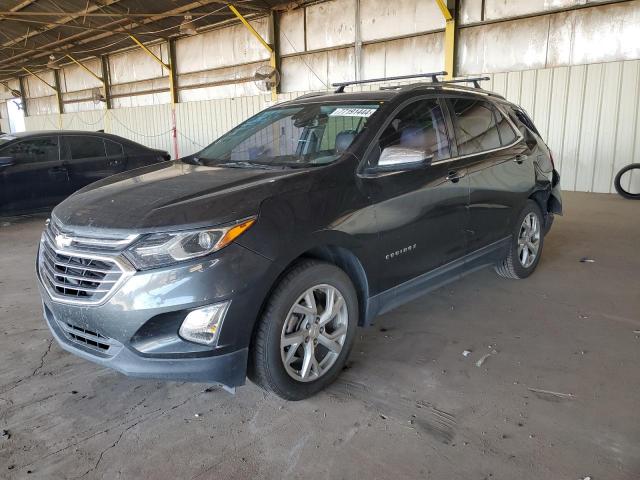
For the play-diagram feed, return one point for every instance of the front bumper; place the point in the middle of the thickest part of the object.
(136, 331)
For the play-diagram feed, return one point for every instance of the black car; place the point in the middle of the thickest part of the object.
(260, 255)
(40, 169)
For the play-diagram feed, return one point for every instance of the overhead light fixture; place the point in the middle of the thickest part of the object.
(52, 63)
(187, 27)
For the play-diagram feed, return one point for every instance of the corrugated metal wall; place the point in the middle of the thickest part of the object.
(588, 114)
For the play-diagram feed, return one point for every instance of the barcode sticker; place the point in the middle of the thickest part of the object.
(352, 112)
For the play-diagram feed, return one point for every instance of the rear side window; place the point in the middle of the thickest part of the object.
(85, 147)
(41, 149)
(474, 125)
(525, 120)
(507, 135)
(114, 149)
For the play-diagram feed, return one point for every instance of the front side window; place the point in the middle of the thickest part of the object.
(82, 146)
(306, 135)
(418, 127)
(474, 125)
(41, 149)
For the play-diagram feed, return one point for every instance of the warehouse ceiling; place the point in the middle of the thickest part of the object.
(32, 30)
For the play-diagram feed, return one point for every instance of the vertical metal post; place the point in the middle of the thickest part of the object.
(447, 7)
(274, 59)
(173, 81)
(172, 88)
(56, 78)
(106, 80)
(358, 43)
(23, 96)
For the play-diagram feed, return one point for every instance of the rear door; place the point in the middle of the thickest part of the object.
(37, 179)
(420, 213)
(500, 173)
(116, 159)
(87, 159)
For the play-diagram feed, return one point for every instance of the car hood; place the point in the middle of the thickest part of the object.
(171, 196)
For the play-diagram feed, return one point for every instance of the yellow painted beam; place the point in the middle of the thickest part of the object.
(449, 39)
(100, 79)
(149, 52)
(41, 79)
(250, 28)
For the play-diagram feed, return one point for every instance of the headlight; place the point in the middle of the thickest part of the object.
(161, 249)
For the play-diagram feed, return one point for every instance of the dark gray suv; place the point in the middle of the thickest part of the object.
(260, 255)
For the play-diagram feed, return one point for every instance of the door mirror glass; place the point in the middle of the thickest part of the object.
(398, 156)
(7, 161)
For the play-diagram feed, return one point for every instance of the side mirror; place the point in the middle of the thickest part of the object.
(403, 157)
(7, 161)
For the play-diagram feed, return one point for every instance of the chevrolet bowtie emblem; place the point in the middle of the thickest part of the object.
(63, 241)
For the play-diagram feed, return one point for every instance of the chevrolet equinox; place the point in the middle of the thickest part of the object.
(260, 255)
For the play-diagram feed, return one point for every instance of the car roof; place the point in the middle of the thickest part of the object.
(39, 133)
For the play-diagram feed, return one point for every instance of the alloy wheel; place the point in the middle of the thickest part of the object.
(529, 240)
(314, 333)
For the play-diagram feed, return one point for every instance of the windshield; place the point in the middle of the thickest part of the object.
(306, 135)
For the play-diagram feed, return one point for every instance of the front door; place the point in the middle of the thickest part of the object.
(37, 179)
(420, 213)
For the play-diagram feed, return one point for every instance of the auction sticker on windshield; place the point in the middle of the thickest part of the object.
(353, 112)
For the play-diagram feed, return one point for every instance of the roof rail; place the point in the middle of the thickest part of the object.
(433, 75)
(475, 80)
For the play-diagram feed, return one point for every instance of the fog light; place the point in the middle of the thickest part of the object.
(203, 325)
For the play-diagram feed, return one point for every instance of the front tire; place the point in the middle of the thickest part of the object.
(526, 244)
(306, 331)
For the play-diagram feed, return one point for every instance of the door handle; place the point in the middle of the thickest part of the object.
(519, 159)
(455, 175)
(58, 170)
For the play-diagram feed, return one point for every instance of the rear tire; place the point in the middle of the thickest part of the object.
(618, 180)
(306, 331)
(526, 244)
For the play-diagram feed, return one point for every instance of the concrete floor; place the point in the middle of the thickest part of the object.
(408, 406)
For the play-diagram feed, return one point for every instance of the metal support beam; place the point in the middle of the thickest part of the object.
(173, 77)
(85, 68)
(447, 7)
(100, 79)
(273, 57)
(172, 89)
(55, 88)
(23, 98)
(56, 83)
(106, 80)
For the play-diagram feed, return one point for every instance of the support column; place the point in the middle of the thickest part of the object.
(23, 96)
(447, 7)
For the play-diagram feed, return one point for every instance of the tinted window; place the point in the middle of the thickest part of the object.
(419, 125)
(40, 149)
(114, 149)
(85, 147)
(507, 135)
(475, 125)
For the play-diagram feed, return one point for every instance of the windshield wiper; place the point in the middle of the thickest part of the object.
(262, 166)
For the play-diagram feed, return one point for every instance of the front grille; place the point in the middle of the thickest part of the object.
(77, 277)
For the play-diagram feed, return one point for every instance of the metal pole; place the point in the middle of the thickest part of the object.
(446, 7)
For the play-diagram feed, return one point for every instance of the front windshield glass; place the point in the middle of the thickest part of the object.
(305, 135)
